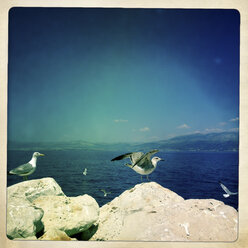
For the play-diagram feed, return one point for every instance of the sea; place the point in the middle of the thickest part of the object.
(192, 175)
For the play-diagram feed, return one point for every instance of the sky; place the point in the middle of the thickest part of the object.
(121, 75)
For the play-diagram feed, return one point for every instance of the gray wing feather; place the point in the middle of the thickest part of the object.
(127, 155)
(134, 156)
(22, 169)
(145, 159)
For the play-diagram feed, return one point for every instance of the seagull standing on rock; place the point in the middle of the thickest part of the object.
(141, 163)
(27, 169)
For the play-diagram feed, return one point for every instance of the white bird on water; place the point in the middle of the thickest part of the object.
(228, 192)
(27, 169)
(141, 163)
(85, 171)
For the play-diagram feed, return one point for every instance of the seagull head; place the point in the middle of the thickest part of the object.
(155, 160)
(37, 154)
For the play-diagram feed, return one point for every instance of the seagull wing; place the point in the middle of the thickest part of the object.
(134, 156)
(22, 169)
(225, 188)
(145, 159)
(126, 155)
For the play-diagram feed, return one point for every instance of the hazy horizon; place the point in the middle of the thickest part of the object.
(119, 142)
(121, 75)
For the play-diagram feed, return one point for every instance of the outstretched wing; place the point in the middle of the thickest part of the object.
(225, 188)
(134, 156)
(22, 169)
(145, 159)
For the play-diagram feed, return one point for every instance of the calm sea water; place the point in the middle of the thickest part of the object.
(191, 175)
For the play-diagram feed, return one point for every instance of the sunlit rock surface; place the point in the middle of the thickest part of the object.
(23, 218)
(146, 212)
(32, 189)
(69, 214)
(37, 205)
(149, 212)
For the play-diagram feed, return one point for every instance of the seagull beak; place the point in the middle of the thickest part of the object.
(42, 154)
(161, 159)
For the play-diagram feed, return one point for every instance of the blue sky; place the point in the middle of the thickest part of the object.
(121, 75)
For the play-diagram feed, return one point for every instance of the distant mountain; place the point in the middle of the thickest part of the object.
(225, 141)
(83, 145)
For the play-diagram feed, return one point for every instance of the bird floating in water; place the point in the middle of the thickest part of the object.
(141, 163)
(105, 192)
(228, 192)
(85, 171)
(27, 169)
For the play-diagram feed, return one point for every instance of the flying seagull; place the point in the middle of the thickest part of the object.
(228, 192)
(26, 169)
(105, 192)
(141, 163)
(85, 171)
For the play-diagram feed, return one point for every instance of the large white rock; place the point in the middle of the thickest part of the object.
(69, 214)
(23, 218)
(33, 189)
(149, 212)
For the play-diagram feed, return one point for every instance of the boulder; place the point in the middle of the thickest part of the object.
(149, 212)
(23, 219)
(69, 214)
(33, 189)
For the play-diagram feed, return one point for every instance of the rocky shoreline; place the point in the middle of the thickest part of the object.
(39, 210)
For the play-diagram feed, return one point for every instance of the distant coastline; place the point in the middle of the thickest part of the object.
(211, 142)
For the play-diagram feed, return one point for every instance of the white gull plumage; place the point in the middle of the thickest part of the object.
(28, 168)
(140, 162)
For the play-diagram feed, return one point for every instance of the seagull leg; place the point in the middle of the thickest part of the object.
(147, 177)
(141, 178)
(25, 178)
